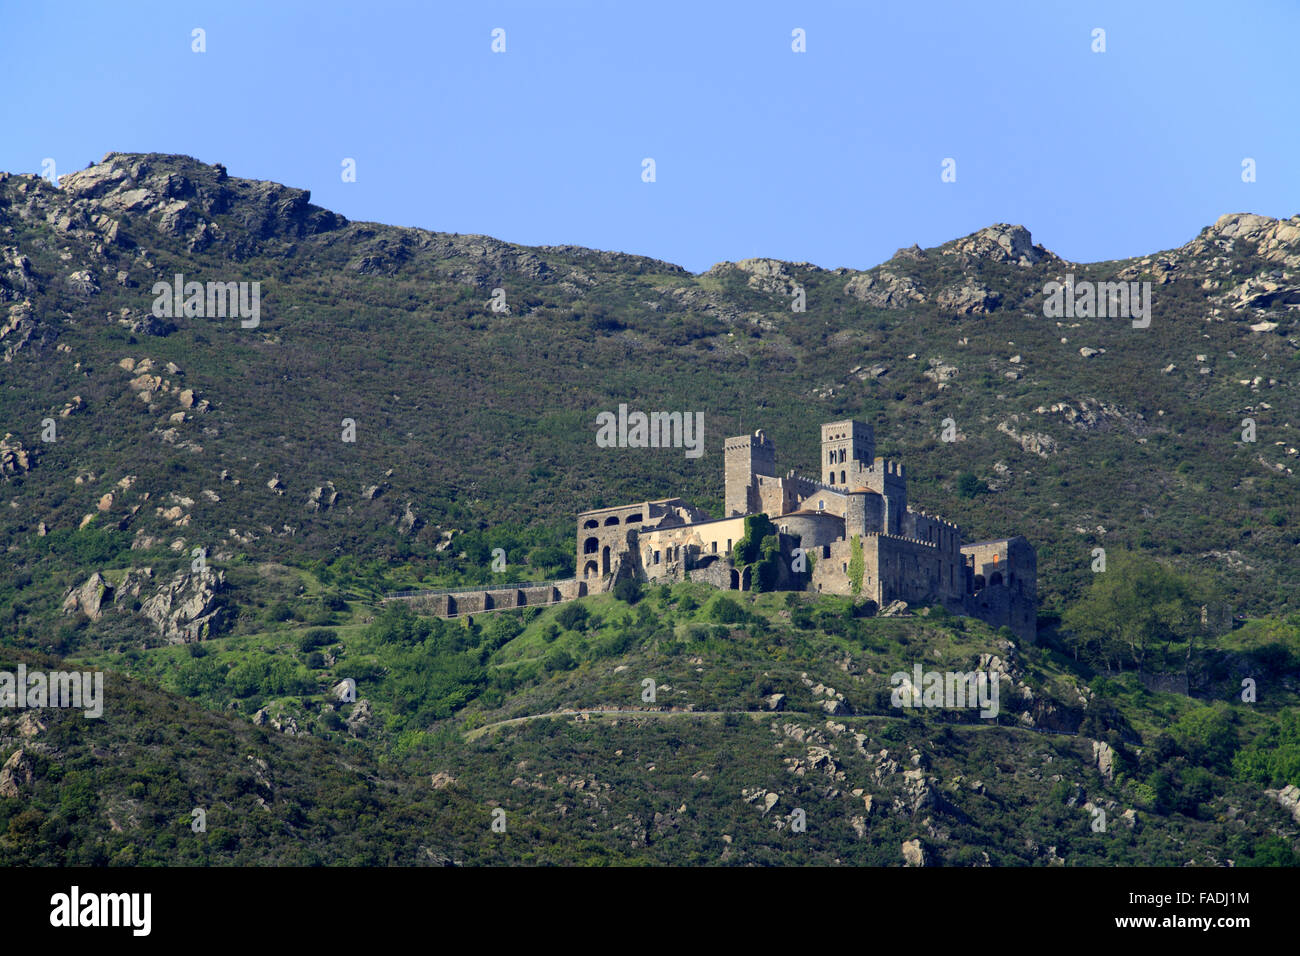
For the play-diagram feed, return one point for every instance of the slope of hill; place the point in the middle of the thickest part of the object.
(183, 506)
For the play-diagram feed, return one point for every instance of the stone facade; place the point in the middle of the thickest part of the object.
(859, 506)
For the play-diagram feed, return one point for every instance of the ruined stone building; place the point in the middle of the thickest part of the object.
(850, 532)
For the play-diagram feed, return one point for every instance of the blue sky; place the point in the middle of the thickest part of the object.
(831, 156)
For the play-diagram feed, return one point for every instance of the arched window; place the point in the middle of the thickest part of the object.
(590, 546)
(844, 478)
(591, 523)
(612, 519)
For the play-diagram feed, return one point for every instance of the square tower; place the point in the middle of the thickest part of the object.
(744, 458)
(847, 448)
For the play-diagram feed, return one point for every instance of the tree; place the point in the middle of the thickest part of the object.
(1135, 611)
(572, 617)
(628, 590)
(968, 485)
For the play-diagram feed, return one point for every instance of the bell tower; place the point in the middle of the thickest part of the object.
(847, 448)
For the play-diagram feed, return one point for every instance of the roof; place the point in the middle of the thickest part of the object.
(810, 513)
(864, 491)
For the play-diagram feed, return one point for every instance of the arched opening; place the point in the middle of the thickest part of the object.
(451, 606)
(632, 519)
(735, 580)
(979, 582)
(612, 519)
(591, 523)
(604, 560)
(590, 569)
(844, 478)
(995, 578)
(745, 578)
(521, 599)
(590, 546)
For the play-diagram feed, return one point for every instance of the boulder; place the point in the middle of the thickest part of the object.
(322, 497)
(968, 298)
(894, 609)
(18, 771)
(1289, 798)
(14, 458)
(89, 597)
(187, 608)
(885, 290)
(914, 854)
(1104, 756)
(359, 720)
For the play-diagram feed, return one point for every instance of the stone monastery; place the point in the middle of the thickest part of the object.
(853, 530)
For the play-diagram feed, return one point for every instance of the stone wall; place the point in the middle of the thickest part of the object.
(461, 603)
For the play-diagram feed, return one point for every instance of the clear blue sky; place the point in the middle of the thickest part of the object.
(831, 156)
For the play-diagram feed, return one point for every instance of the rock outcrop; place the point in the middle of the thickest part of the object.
(18, 771)
(89, 597)
(885, 290)
(14, 458)
(188, 608)
(1000, 242)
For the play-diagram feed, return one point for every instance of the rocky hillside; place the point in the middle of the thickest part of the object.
(178, 432)
(209, 507)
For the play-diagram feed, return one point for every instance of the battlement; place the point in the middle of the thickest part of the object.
(745, 442)
(903, 537)
(887, 467)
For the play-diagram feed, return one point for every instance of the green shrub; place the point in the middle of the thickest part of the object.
(628, 590)
(724, 610)
(572, 617)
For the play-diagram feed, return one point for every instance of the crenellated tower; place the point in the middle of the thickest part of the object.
(744, 458)
(848, 449)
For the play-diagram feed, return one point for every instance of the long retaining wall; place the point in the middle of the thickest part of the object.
(458, 603)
